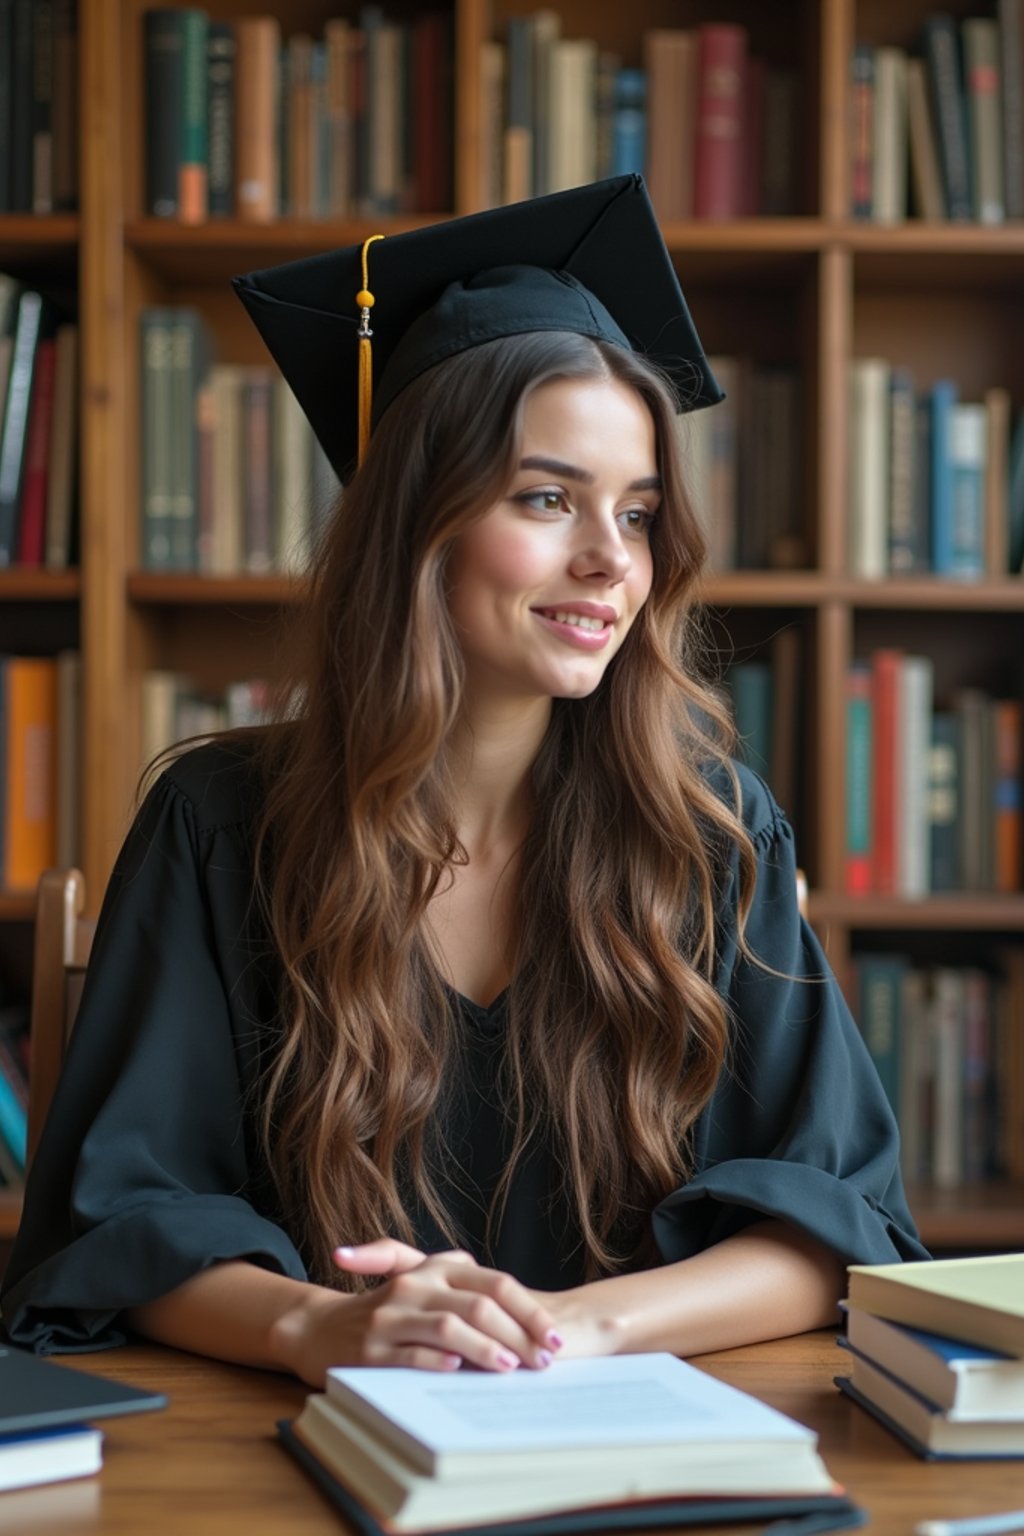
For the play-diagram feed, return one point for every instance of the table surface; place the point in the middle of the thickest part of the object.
(210, 1462)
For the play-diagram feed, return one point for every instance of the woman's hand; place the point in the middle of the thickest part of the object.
(432, 1312)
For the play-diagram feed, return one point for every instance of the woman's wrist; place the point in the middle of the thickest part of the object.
(297, 1337)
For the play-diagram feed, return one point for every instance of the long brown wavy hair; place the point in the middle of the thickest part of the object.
(615, 1035)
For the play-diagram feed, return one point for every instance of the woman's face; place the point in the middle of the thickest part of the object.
(545, 586)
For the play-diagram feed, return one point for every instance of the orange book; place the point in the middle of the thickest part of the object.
(30, 777)
(257, 40)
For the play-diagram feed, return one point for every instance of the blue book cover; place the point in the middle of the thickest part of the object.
(629, 123)
(943, 399)
(13, 1121)
(968, 454)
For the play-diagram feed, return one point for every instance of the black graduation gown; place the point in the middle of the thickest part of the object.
(149, 1168)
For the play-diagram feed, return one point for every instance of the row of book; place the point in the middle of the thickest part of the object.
(744, 467)
(948, 1044)
(40, 758)
(765, 696)
(933, 795)
(715, 129)
(936, 483)
(936, 1353)
(38, 429)
(174, 709)
(14, 1062)
(241, 123)
(942, 135)
(39, 103)
(232, 478)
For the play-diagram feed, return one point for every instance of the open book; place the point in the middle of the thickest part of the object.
(423, 1451)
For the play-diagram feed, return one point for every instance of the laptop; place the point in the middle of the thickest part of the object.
(36, 1394)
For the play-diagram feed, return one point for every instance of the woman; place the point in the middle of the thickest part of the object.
(486, 966)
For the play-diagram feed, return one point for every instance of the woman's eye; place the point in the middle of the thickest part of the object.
(638, 519)
(545, 501)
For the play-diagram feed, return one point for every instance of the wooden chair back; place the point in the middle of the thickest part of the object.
(63, 939)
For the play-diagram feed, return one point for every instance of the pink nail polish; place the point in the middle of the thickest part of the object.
(554, 1339)
(507, 1362)
(544, 1358)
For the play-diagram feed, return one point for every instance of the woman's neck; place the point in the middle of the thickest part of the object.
(492, 753)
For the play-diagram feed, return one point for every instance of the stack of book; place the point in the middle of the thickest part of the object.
(621, 1442)
(715, 129)
(937, 1353)
(43, 1408)
(38, 428)
(936, 483)
(933, 797)
(241, 122)
(958, 109)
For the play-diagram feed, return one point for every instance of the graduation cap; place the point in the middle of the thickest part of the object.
(591, 260)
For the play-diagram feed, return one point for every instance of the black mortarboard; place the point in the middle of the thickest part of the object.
(591, 260)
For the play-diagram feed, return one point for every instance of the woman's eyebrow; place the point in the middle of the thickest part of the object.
(572, 472)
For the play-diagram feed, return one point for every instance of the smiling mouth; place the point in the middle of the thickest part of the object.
(576, 620)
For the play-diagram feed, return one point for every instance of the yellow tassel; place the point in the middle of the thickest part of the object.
(365, 300)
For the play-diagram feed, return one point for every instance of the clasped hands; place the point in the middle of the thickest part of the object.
(438, 1311)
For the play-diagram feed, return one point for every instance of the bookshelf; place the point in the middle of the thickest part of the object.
(810, 291)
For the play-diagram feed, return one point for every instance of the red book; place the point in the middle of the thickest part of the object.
(431, 105)
(885, 693)
(32, 512)
(719, 165)
(1007, 830)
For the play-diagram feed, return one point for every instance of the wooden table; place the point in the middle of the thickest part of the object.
(210, 1463)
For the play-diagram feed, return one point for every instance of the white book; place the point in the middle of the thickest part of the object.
(227, 548)
(869, 467)
(572, 122)
(574, 1419)
(968, 1383)
(48, 1456)
(293, 479)
(891, 136)
(947, 1032)
(913, 857)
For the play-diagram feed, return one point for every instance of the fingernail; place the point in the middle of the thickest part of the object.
(452, 1362)
(544, 1357)
(554, 1339)
(344, 1253)
(508, 1362)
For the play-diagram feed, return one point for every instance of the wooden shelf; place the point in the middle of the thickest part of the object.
(152, 588)
(1004, 595)
(973, 911)
(982, 1216)
(17, 906)
(27, 584)
(10, 1212)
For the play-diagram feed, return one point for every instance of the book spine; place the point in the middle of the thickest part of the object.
(69, 759)
(925, 172)
(723, 470)
(63, 450)
(1011, 55)
(6, 100)
(984, 106)
(869, 467)
(719, 151)
(163, 72)
(903, 540)
(155, 458)
(943, 780)
(21, 107)
(431, 113)
(518, 176)
(974, 797)
(978, 1153)
(858, 780)
(997, 480)
(257, 40)
(227, 557)
(548, 102)
(947, 92)
(1015, 497)
(862, 132)
(890, 137)
(943, 401)
(1007, 810)
(629, 123)
(15, 421)
(967, 442)
(947, 1027)
(916, 1098)
(753, 136)
(32, 509)
(65, 106)
(42, 106)
(31, 717)
(751, 686)
(298, 74)
(339, 117)
(186, 373)
(885, 701)
(257, 430)
(880, 983)
(922, 513)
(781, 159)
(608, 65)
(13, 1123)
(915, 715)
(220, 115)
(670, 62)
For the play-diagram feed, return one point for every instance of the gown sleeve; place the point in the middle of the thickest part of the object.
(142, 1176)
(799, 1127)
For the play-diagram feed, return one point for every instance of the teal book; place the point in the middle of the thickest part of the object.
(943, 402)
(879, 998)
(968, 454)
(750, 683)
(858, 779)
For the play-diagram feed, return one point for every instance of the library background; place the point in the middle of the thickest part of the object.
(841, 185)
